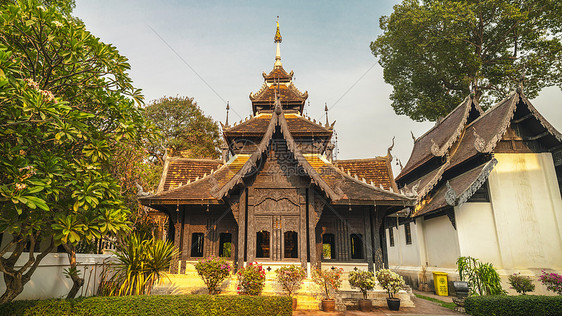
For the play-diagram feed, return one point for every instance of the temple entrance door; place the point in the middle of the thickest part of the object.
(276, 225)
(277, 237)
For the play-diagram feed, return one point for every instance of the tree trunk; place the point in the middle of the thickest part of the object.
(14, 286)
(77, 281)
(15, 280)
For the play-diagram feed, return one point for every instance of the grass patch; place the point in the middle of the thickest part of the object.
(440, 302)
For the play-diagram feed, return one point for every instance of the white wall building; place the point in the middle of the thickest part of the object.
(488, 187)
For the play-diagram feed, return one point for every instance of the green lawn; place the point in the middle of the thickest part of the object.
(440, 302)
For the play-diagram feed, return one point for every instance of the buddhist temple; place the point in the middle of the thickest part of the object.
(488, 186)
(277, 196)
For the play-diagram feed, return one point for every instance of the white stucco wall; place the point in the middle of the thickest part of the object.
(48, 281)
(527, 208)
(441, 242)
(403, 254)
(476, 229)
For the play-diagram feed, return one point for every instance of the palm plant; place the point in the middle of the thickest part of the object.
(140, 264)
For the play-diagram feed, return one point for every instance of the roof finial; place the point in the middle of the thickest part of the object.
(326, 109)
(227, 109)
(277, 39)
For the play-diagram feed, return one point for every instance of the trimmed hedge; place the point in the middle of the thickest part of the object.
(235, 305)
(524, 305)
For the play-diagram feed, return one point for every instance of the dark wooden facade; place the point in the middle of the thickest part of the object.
(277, 196)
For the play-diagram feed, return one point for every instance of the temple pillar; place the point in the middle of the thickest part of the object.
(368, 238)
(242, 229)
(175, 220)
(312, 220)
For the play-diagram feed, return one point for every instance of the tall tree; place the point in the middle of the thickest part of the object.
(184, 128)
(66, 104)
(435, 52)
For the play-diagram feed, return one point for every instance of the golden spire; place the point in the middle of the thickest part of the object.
(277, 39)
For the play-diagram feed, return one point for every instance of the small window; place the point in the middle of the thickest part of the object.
(328, 246)
(356, 246)
(408, 233)
(262, 244)
(291, 244)
(225, 245)
(391, 236)
(197, 240)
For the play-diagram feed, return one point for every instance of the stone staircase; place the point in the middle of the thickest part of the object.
(308, 297)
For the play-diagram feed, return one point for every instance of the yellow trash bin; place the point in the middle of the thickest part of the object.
(440, 283)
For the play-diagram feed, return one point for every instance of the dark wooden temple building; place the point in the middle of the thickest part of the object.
(277, 195)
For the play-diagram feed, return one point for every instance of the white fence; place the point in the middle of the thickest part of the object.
(48, 281)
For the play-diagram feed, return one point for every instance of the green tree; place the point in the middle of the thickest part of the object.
(63, 6)
(435, 52)
(184, 128)
(66, 105)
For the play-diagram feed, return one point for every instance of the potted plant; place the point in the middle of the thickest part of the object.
(291, 278)
(329, 281)
(213, 271)
(251, 279)
(392, 283)
(365, 281)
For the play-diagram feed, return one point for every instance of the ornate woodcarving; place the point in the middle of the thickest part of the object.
(276, 206)
(263, 223)
(290, 223)
(275, 194)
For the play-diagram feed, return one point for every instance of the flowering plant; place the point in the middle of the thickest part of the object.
(553, 282)
(251, 279)
(328, 280)
(213, 271)
(520, 283)
(390, 281)
(364, 280)
(291, 278)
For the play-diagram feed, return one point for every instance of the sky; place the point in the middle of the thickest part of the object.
(216, 51)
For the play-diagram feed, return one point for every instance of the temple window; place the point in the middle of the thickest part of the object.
(225, 245)
(328, 246)
(197, 240)
(262, 244)
(408, 233)
(391, 236)
(356, 246)
(291, 244)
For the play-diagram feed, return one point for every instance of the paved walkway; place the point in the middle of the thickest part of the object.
(423, 307)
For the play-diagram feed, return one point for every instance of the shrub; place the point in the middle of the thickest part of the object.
(482, 278)
(519, 305)
(328, 280)
(521, 284)
(213, 271)
(390, 281)
(251, 279)
(553, 282)
(364, 280)
(140, 265)
(206, 305)
(291, 278)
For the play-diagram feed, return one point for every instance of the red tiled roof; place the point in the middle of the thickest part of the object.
(181, 170)
(376, 170)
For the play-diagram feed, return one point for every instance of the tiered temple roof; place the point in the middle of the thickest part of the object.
(453, 160)
(277, 107)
